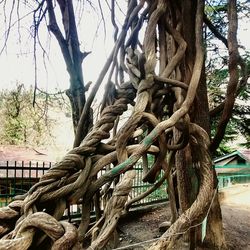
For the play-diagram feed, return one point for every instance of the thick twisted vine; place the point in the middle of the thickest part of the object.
(64, 235)
(199, 143)
(112, 212)
(160, 123)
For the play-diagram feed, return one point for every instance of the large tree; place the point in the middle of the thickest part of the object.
(23, 124)
(161, 74)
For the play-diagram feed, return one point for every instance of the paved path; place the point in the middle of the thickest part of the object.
(235, 206)
(237, 194)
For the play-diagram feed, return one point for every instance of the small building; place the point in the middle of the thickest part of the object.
(234, 162)
(236, 157)
(20, 168)
(233, 168)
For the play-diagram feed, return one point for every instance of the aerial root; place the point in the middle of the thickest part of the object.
(113, 211)
(63, 235)
(195, 214)
(9, 215)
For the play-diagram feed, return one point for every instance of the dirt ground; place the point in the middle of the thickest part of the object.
(235, 203)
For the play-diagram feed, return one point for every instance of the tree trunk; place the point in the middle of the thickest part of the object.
(199, 115)
(214, 234)
(73, 58)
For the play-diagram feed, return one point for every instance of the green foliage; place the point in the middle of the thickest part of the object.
(247, 143)
(217, 79)
(159, 193)
(23, 123)
(223, 149)
(239, 124)
(13, 131)
(151, 159)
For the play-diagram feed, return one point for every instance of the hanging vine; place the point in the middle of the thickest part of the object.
(160, 123)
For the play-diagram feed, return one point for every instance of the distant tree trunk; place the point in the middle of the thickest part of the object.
(73, 58)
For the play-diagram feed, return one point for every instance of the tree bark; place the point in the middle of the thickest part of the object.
(214, 234)
(73, 58)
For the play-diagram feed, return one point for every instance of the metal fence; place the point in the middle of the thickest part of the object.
(232, 174)
(139, 187)
(229, 180)
(17, 177)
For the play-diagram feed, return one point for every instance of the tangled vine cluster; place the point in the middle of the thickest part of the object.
(160, 124)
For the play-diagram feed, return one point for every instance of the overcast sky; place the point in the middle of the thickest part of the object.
(17, 60)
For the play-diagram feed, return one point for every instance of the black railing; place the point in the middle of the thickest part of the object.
(18, 177)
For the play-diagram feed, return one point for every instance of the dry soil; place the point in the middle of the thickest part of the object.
(235, 203)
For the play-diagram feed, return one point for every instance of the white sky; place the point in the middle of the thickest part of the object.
(15, 67)
(17, 61)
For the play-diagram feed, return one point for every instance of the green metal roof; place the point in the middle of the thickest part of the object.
(233, 166)
(244, 154)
